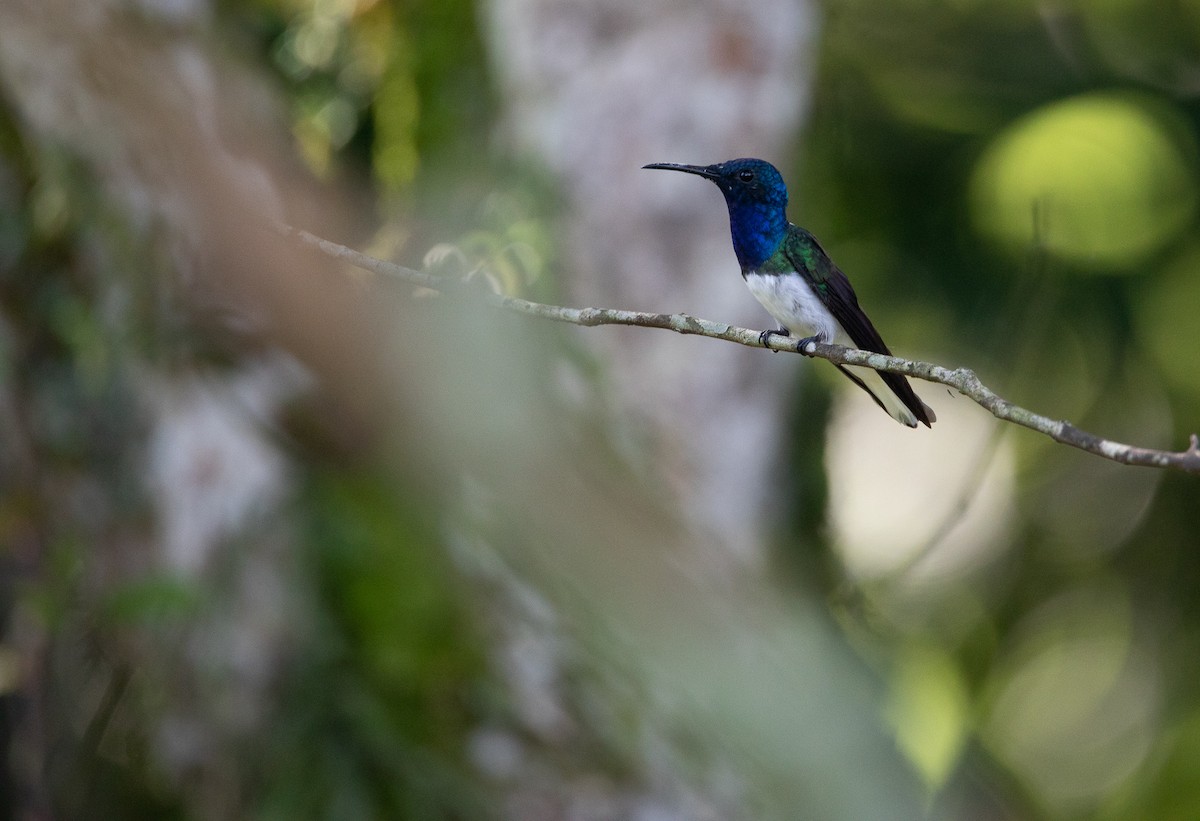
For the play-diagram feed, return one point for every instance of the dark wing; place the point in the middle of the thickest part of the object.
(837, 294)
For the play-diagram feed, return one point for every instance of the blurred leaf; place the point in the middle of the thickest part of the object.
(929, 707)
(397, 115)
(1072, 707)
(1166, 315)
(391, 595)
(153, 602)
(1111, 177)
(1171, 792)
(373, 713)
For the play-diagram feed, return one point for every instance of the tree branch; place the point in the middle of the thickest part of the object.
(962, 380)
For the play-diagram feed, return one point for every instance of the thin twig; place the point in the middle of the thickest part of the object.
(962, 380)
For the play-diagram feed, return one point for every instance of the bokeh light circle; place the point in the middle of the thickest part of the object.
(1101, 181)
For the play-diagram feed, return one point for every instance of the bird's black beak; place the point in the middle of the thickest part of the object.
(699, 170)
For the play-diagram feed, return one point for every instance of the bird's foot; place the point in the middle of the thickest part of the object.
(804, 343)
(765, 336)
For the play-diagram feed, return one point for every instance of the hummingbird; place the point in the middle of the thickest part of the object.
(789, 272)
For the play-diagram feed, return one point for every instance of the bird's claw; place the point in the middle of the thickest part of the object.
(803, 343)
(765, 337)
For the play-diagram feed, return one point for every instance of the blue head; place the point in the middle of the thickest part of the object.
(757, 198)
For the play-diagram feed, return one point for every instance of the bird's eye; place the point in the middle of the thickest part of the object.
(745, 175)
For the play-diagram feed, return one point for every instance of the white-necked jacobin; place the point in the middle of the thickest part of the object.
(796, 281)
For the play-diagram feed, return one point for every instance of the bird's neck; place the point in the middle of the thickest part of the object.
(758, 229)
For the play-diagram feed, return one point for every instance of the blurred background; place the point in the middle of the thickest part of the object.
(282, 539)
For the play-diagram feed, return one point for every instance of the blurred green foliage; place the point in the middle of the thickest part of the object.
(376, 704)
(975, 167)
(369, 718)
(383, 88)
(1099, 180)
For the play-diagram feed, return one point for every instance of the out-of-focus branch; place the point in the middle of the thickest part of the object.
(962, 380)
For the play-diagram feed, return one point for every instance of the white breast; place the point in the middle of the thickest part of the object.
(795, 306)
